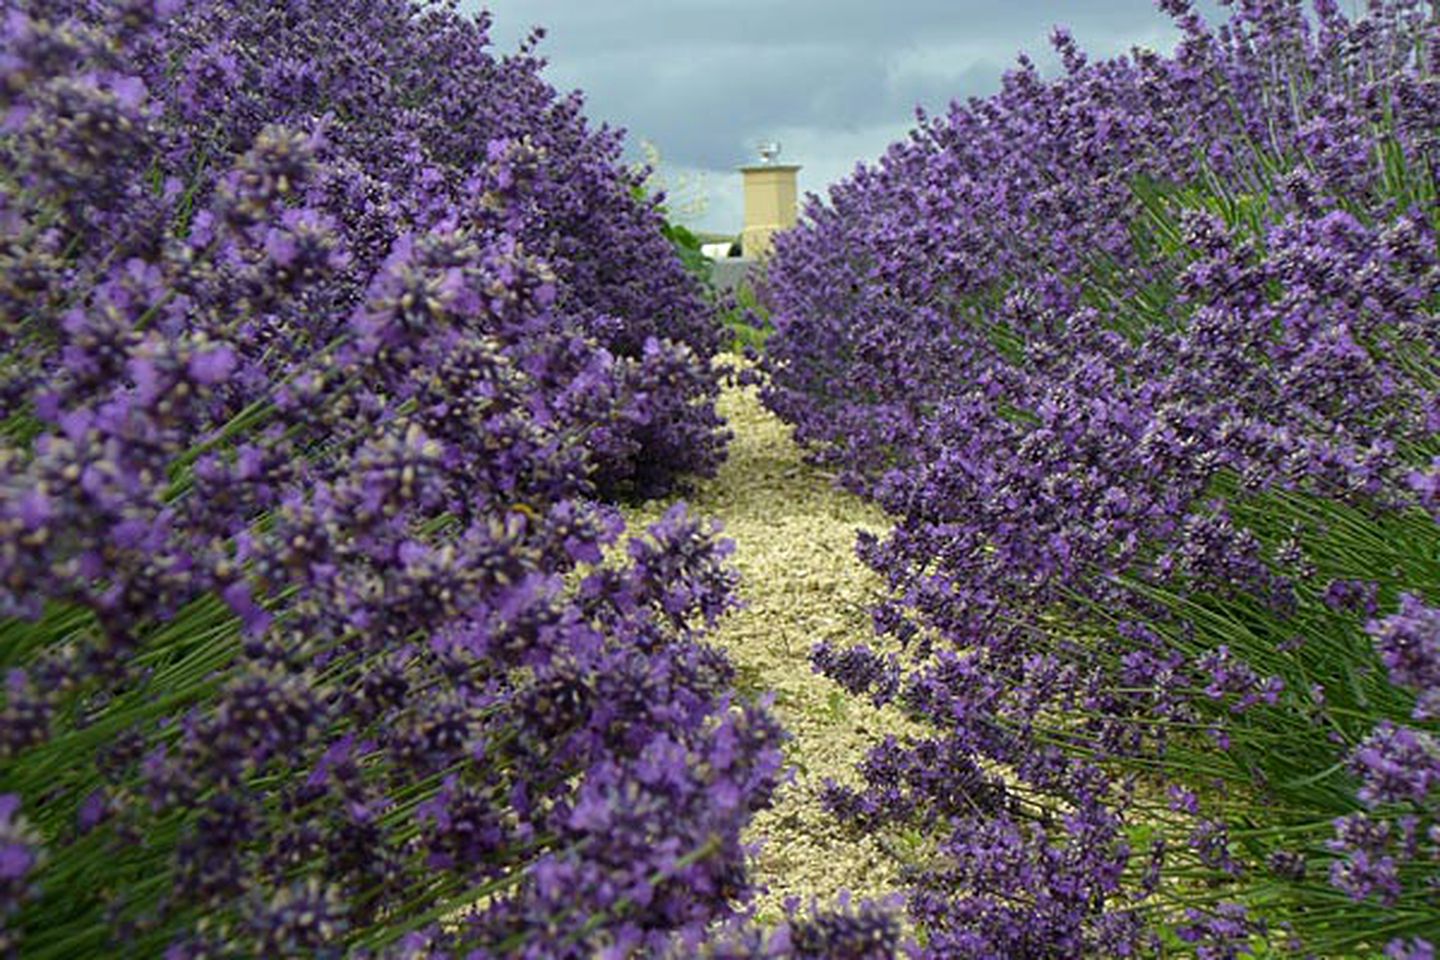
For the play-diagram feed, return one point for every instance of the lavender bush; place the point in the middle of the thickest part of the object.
(1143, 362)
(325, 333)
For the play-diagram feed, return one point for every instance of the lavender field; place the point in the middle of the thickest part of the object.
(352, 391)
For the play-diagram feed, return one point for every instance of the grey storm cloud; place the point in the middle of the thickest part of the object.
(834, 80)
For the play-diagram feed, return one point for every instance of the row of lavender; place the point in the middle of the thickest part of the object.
(326, 332)
(1143, 360)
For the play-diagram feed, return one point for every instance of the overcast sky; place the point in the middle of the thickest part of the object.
(834, 81)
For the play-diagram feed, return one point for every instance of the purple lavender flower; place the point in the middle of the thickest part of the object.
(1409, 645)
(1416, 949)
(1363, 875)
(866, 931)
(860, 671)
(1221, 934)
(20, 854)
(1396, 765)
(1368, 866)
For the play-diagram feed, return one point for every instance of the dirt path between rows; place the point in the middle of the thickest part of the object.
(795, 535)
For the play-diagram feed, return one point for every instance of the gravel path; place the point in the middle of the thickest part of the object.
(795, 535)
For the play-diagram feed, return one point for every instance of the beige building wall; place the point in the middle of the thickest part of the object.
(771, 200)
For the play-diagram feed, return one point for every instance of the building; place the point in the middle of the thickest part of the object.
(771, 205)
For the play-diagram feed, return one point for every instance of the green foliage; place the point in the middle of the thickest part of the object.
(687, 247)
(747, 319)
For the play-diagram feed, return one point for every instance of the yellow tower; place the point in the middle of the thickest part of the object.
(770, 201)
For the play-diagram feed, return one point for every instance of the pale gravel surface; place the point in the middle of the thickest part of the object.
(795, 536)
